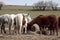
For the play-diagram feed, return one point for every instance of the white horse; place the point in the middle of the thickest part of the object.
(9, 18)
(11, 21)
(3, 20)
(20, 19)
(21, 22)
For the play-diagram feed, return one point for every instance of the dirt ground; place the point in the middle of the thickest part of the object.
(29, 36)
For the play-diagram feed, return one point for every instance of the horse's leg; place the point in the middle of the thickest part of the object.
(56, 31)
(9, 26)
(1, 29)
(25, 29)
(53, 30)
(21, 29)
(14, 30)
(18, 29)
(9, 29)
(4, 29)
(12, 23)
(50, 32)
(40, 30)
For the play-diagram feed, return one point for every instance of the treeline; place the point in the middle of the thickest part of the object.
(43, 5)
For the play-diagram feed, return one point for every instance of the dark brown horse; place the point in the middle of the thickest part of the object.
(45, 21)
(40, 20)
(53, 24)
(59, 22)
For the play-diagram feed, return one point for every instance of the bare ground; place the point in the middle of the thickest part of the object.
(29, 36)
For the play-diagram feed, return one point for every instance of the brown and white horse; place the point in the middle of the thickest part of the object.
(49, 21)
(21, 22)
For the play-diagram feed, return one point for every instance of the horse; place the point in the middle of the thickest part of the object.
(53, 24)
(59, 22)
(11, 21)
(43, 21)
(20, 21)
(3, 20)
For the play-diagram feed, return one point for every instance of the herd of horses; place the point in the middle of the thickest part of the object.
(23, 23)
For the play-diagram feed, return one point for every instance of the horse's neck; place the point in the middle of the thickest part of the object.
(34, 21)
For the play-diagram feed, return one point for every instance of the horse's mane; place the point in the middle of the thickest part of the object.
(35, 19)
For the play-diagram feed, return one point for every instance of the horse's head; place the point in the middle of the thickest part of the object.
(28, 17)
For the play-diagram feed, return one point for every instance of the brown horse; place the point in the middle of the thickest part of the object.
(40, 20)
(53, 23)
(59, 22)
(45, 21)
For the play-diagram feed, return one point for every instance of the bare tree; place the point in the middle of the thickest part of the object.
(52, 5)
(1, 4)
(42, 5)
(36, 5)
(39, 5)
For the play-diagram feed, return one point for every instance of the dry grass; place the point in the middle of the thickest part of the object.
(26, 9)
(28, 37)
